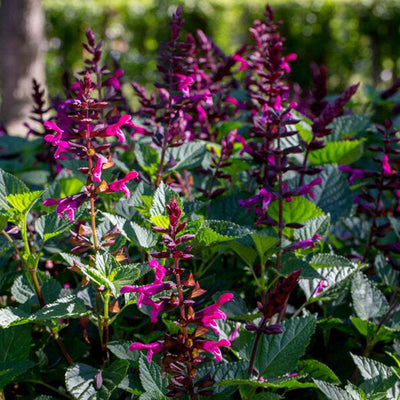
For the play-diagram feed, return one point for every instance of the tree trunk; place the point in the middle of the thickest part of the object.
(21, 60)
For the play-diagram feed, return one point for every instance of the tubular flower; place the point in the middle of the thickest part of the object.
(208, 315)
(67, 204)
(121, 183)
(214, 347)
(115, 129)
(148, 290)
(152, 348)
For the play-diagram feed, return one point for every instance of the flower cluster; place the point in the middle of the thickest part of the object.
(84, 139)
(182, 353)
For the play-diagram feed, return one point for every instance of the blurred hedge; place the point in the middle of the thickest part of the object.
(357, 40)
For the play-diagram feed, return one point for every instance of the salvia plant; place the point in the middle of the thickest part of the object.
(230, 236)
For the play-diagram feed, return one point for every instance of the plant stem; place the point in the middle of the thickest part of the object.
(106, 326)
(280, 204)
(46, 385)
(255, 346)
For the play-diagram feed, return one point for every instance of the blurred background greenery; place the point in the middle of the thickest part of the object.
(357, 40)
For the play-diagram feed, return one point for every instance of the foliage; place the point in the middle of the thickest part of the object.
(247, 242)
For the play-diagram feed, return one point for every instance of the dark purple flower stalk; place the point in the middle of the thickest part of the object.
(320, 127)
(380, 184)
(274, 303)
(181, 352)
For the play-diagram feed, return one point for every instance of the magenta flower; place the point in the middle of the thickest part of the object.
(386, 166)
(152, 348)
(354, 173)
(97, 169)
(114, 80)
(115, 129)
(148, 290)
(53, 138)
(184, 84)
(160, 271)
(121, 183)
(201, 112)
(320, 287)
(67, 204)
(243, 63)
(213, 347)
(303, 244)
(156, 306)
(208, 315)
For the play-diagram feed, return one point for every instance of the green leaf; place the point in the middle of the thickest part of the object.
(147, 157)
(265, 241)
(222, 371)
(12, 316)
(140, 236)
(368, 300)
(124, 275)
(334, 392)
(333, 195)
(369, 330)
(286, 383)
(220, 231)
(15, 343)
(70, 186)
(65, 307)
(51, 225)
(151, 379)
(247, 254)
(317, 370)
(23, 202)
(299, 210)
(325, 260)
(348, 125)
(187, 156)
(21, 289)
(10, 185)
(318, 225)
(370, 368)
(121, 350)
(279, 354)
(162, 196)
(80, 378)
(342, 152)
(386, 272)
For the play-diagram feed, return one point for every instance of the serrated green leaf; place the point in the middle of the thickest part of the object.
(342, 152)
(10, 316)
(279, 354)
(369, 330)
(10, 185)
(23, 202)
(325, 260)
(220, 231)
(65, 307)
(21, 289)
(370, 368)
(187, 156)
(318, 225)
(333, 195)
(124, 275)
(333, 392)
(151, 378)
(162, 196)
(121, 350)
(247, 254)
(368, 300)
(299, 210)
(50, 225)
(140, 236)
